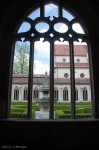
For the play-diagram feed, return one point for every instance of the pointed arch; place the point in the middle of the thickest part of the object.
(49, 28)
(85, 94)
(25, 95)
(65, 94)
(16, 93)
(56, 93)
(35, 93)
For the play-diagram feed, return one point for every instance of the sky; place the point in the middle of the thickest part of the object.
(42, 49)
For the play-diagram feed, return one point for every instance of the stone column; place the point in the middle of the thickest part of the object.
(69, 94)
(40, 95)
(80, 94)
(20, 94)
(12, 93)
(89, 93)
(60, 94)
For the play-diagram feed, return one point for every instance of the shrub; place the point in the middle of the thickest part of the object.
(59, 114)
(87, 110)
(79, 110)
(21, 114)
(84, 115)
(61, 107)
(36, 107)
(67, 111)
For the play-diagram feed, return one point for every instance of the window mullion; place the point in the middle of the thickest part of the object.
(51, 101)
(42, 9)
(72, 77)
(30, 80)
(60, 9)
(92, 82)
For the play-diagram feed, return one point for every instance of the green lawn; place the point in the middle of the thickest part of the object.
(62, 110)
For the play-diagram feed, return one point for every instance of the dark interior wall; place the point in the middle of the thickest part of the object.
(63, 133)
(81, 135)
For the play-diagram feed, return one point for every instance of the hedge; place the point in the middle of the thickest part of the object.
(35, 107)
(21, 115)
(59, 114)
(61, 107)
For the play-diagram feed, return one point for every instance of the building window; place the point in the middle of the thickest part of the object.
(66, 75)
(16, 93)
(85, 94)
(64, 60)
(56, 93)
(49, 26)
(82, 75)
(65, 94)
(25, 94)
(78, 60)
(35, 95)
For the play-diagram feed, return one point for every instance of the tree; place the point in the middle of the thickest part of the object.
(21, 58)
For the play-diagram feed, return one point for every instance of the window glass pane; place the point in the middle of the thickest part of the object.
(51, 10)
(35, 14)
(62, 105)
(42, 27)
(82, 81)
(60, 27)
(78, 28)
(67, 15)
(20, 80)
(41, 79)
(24, 27)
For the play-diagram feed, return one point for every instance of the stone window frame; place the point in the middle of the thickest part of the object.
(70, 36)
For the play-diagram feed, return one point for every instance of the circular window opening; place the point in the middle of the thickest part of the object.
(42, 27)
(78, 60)
(64, 59)
(66, 75)
(82, 75)
(60, 27)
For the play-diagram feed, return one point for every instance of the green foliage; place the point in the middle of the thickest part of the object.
(59, 114)
(61, 107)
(19, 109)
(63, 110)
(21, 58)
(22, 114)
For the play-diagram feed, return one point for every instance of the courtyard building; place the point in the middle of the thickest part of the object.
(62, 88)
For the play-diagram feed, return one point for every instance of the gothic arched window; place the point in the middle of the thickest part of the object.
(35, 93)
(25, 94)
(56, 93)
(36, 39)
(16, 93)
(85, 94)
(65, 94)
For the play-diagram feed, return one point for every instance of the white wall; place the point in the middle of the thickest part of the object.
(58, 59)
(83, 59)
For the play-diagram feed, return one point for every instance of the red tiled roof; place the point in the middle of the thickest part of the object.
(39, 80)
(67, 81)
(78, 65)
(26, 75)
(61, 50)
